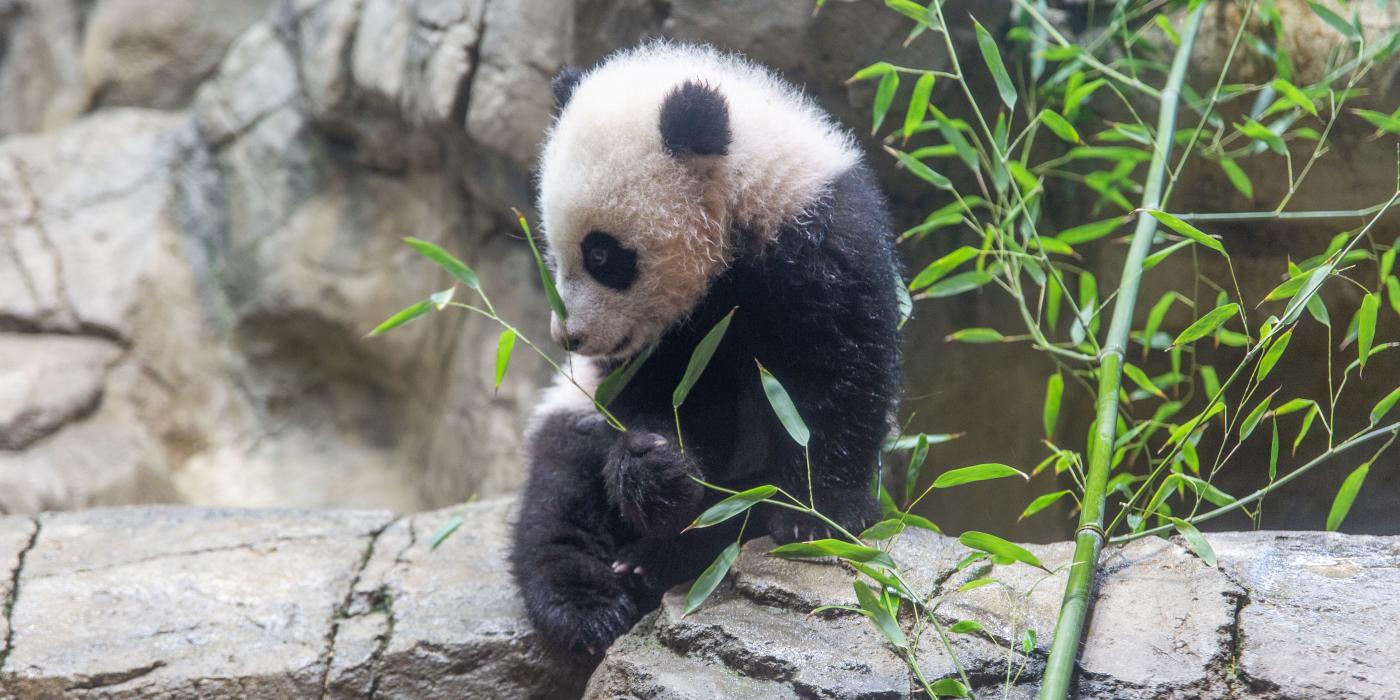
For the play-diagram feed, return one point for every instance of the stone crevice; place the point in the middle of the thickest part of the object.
(13, 599)
(103, 680)
(251, 546)
(34, 220)
(384, 599)
(343, 610)
(462, 100)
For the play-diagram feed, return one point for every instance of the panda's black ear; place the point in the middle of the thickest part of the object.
(563, 85)
(695, 121)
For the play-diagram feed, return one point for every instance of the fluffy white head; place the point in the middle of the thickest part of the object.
(615, 189)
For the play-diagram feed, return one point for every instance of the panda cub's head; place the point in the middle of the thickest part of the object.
(660, 158)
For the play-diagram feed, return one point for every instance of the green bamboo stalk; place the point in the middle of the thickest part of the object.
(1089, 537)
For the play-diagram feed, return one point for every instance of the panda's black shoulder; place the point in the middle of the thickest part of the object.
(847, 226)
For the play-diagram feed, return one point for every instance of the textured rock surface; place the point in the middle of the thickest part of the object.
(61, 58)
(1286, 615)
(266, 604)
(188, 602)
(222, 259)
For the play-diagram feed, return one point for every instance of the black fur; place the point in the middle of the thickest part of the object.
(563, 86)
(818, 309)
(695, 120)
(609, 262)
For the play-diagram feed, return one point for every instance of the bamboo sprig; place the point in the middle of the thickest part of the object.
(1089, 537)
(1365, 437)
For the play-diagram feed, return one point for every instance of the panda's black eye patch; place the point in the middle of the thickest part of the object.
(607, 261)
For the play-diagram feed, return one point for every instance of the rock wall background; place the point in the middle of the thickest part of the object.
(200, 214)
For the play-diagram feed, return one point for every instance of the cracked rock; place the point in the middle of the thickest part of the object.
(179, 602)
(1163, 625)
(454, 621)
(47, 381)
(1321, 620)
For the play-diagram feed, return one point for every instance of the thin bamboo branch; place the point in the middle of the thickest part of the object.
(1089, 538)
(1284, 215)
(1257, 495)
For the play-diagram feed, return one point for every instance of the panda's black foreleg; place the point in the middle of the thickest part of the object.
(567, 536)
(846, 411)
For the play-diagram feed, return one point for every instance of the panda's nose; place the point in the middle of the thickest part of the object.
(562, 336)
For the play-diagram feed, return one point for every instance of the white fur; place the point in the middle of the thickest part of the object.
(563, 397)
(604, 168)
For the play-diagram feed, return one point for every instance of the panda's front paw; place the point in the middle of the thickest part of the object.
(649, 482)
(852, 509)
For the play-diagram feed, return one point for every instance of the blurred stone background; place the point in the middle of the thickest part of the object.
(201, 207)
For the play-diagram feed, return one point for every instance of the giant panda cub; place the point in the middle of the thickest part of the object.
(677, 184)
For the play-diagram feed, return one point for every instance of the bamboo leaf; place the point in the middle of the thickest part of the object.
(1366, 327)
(1207, 324)
(700, 358)
(1346, 496)
(444, 259)
(1260, 133)
(980, 472)
(1300, 300)
(965, 627)
(732, 506)
(883, 530)
(1155, 318)
(1306, 426)
(1042, 502)
(884, 95)
(923, 172)
(937, 269)
(918, 104)
(903, 300)
(405, 315)
(992, 55)
(975, 584)
(551, 294)
(976, 335)
(1142, 380)
(1092, 231)
(1293, 406)
(1273, 453)
(1251, 421)
(1195, 540)
(710, 578)
(1156, 258)
(1272, 355)
(1057, 124)
(1237, 177)
(1294, 95)
(504, 346)
(1380, 120)
(916, 466)
(957, 284)
(873, 70)
(1050, 413)
(1188, 231)
(611, 387)
(1334, 21)
(998, 547)
(949, 688)
(884, 621)
(445, 531)
(1383, 406)
(834, 548)
(783, 406)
